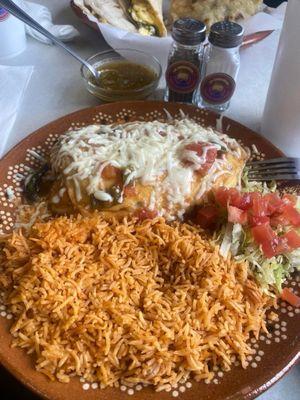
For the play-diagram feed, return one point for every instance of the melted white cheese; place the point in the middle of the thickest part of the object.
(152, 201)
(103, 196)
(143, 150)
(10, 194)
(62, 192)
(55, 199)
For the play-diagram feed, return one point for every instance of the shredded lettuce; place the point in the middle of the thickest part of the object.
(238, 237)
(298, 203)
(237, 240)
(270, 273)
(254, 186)
(294, 259)
(226, 240)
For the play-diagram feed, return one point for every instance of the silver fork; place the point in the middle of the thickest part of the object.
(275, 169)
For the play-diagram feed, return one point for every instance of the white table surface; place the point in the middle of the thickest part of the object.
(56, 89)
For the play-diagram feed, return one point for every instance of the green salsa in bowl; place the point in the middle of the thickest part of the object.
(125, 74)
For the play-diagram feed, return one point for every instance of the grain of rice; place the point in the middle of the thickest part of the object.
(123, 302)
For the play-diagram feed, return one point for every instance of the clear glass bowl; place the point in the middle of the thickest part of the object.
(134, 56)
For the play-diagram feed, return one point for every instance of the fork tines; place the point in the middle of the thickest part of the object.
(282, 168)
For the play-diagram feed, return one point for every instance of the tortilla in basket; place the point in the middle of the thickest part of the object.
(211, 11)
(107, 11)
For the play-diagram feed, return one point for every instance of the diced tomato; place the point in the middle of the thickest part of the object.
(111, 172)
(291, 215)
(199, 148)
(290, 297)
(281, 211)
(262, 233)
(270, 249)
(273, 203)
(254, 196)
(222, 196)
(289, 198)
(267, 238)
(243, 202)
(259, 205)
(236, 215)
(266, 205)
(278, 219)
(262, 207)
(293, 239)
(254, 220)
(232, 197)
(272, 244)
(225, 196)
(206, 216)
(129, 191)
(239, 200)
(144, 213)
(282, 246)
(211, 155)
(261, 213)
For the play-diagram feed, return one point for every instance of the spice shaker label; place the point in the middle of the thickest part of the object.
(217, 88)
(182, 77)
(3, 14)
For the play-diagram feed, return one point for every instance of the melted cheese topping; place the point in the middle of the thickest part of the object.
(149, 152)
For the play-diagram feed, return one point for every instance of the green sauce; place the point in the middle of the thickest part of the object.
(124, 76)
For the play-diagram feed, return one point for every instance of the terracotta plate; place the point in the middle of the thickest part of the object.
(275, 352)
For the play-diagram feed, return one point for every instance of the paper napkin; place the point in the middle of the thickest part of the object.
(42, 15)
(13, 83)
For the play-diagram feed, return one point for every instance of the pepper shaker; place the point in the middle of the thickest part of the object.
(221, 65)
(185, 61)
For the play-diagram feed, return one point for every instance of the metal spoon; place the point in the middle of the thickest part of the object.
(20, 14)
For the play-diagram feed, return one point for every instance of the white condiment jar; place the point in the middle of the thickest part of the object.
(221, 65)
(12, 34)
